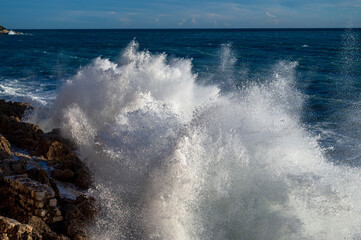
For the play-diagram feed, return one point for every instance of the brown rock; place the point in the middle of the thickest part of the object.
(39, 175)
(65, 175)
(87, 206)
(55, 188)
(55, 135)
(74, 227)
(14, 229)
(80, 237)
(58, 150)
(39, 225)
(82, 179)
(71, 212)
(4, 146)
(16, 109)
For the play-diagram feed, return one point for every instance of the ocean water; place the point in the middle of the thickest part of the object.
(203, 134)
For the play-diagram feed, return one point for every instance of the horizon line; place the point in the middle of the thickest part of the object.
(205, 28)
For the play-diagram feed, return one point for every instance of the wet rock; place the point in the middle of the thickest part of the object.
(55, 135)
(72, 211)
(87, 206)
(4, 147)
(65, 174)
(80, 237)
(58, 150)
(15, 109)
(82, 179)
(74, 227)
(11, 166)
(29, 193)
(39, 175)
(39, 226)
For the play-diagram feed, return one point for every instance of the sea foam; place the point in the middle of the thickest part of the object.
(176, 160)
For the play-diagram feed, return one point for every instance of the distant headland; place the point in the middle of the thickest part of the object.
(4, 31)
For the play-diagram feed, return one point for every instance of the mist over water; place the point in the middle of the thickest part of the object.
(173, 159)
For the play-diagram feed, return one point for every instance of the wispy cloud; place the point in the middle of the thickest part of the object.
(181, 22)
(270, 15)
(273, 17)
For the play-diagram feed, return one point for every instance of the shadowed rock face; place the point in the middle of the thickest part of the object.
(33, 167)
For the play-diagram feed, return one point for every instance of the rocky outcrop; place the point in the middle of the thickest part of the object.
(51, 147)
(36, 171)
(12, 229)
(3, 31)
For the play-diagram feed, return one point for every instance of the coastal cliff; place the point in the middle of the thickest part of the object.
(42, 181)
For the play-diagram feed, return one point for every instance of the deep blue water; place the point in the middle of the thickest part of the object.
(34, 66)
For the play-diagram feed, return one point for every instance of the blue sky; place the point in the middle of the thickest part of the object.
(19, 14)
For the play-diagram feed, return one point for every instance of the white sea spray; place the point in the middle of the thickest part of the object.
(176, 160)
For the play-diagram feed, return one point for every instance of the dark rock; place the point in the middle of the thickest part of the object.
(4, 147)
(87, 206)
(74, 227)
(55, 135)
(80, 237)
(15, 109)
(12, 229)
(55, 188)
(31, 195)
(39, 226)
(39, 175)
(72, 211)
(64, 175)
(83, 179)
(58, 150)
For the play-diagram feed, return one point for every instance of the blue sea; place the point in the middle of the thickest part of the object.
(203, 133)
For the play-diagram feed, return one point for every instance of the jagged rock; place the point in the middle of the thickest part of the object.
(58, 150)
(3, 30)
(39, 175)
(54, 236)
(87, 206)
(55, 188)
(74, 226)
(4, 147)
(72, 211)
(39, 226)
(83, 178)
(65, 174)
(12, 229)
(10, 166)
(80, 237)
(55, 135)
(28, 192)
(15, 109)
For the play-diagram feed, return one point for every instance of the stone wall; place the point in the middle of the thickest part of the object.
(33, 167)
(32, 198)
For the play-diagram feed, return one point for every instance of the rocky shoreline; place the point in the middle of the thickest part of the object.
(42, 181)
(4, 31)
